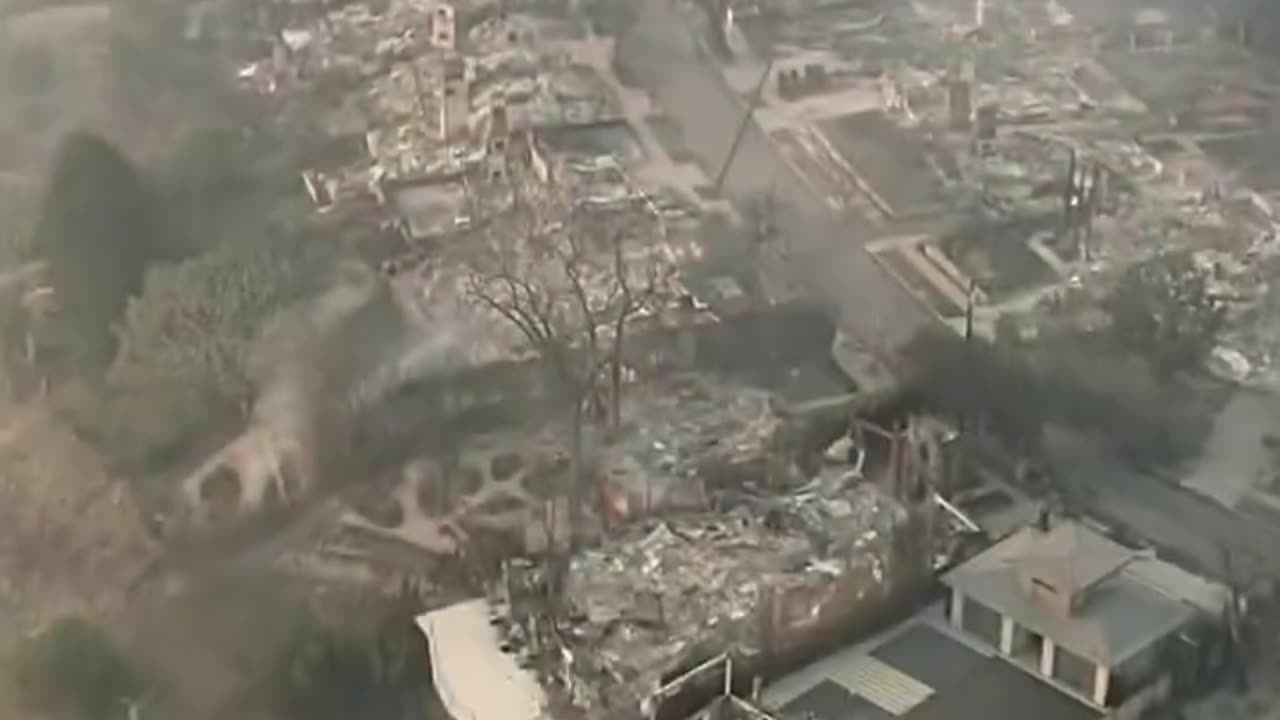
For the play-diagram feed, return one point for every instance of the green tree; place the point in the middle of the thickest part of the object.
(337, 674)
(218, 185)
(95, 230)
(197, 320)
(979, 384)
(1164, 311)
(182, 371)
(74, 671)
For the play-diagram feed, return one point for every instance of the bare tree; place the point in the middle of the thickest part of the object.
(637, 286)
(571, 278)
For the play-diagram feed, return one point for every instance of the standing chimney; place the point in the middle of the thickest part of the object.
(988, 120)
(444, 27)
(455, 99)
(960, 103)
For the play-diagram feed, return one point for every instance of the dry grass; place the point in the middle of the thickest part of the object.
(72, 539)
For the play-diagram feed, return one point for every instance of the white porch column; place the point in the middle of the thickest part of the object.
(1101, 681)
(1047, 653)
(1006, 635)
(957, 609)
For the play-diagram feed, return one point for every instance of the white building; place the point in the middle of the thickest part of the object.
(474, 678)
(1080, 610)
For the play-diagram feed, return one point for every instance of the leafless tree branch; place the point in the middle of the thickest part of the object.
(567, 278)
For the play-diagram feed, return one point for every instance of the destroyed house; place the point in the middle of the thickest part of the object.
(785, 351)
(764, 581)
(1075, 608)
(428, 206)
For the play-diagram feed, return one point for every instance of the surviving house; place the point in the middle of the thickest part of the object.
(1056, 622)
(1096, 618)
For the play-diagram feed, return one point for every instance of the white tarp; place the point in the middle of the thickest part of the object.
(474, 678)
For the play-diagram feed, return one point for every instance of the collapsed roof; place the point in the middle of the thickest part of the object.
(660, 597)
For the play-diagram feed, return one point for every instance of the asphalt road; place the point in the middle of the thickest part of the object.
(827, 253)
(1193, 529)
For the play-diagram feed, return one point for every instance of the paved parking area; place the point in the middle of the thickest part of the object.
(921, 672)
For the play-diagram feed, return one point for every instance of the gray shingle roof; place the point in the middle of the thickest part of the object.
(1122, 610)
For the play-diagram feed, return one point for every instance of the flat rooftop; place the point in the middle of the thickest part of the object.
(472, 674)
(919, 672)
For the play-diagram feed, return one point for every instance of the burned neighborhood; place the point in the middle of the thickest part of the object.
(639, 359)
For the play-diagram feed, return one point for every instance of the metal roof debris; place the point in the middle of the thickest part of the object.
(659, 596)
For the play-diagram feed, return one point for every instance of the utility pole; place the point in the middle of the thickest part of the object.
(1236, 658)
(1092, 200)
(968, 310)
(1069, 192)
(752, 103)
(417, 90)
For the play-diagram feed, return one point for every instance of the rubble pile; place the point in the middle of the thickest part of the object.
(414, 97)
(676, 436)
(661, 597)
(1078, 147)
